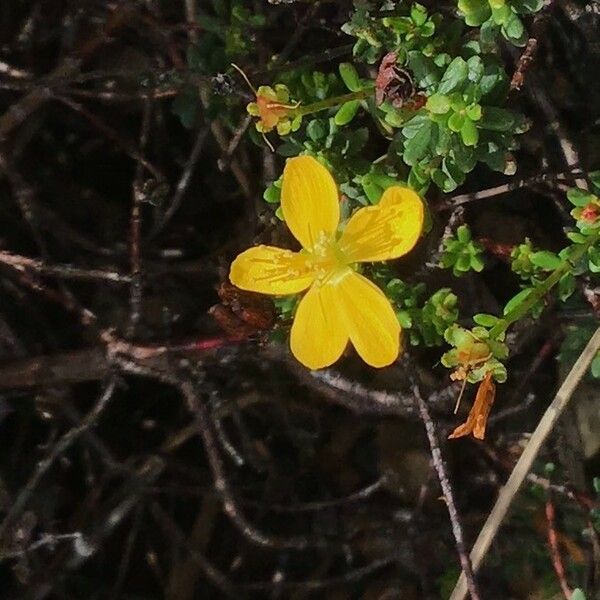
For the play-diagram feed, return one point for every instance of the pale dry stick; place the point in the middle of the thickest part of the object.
(519, 473)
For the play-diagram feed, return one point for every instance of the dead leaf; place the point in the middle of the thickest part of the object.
(477, 419)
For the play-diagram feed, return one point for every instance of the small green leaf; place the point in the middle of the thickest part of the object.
(316, 130)
(516, 300)
(578, 594)
(594, 177)
(566, 286)
(579, 197)
(475, 66)
(485, 320)
(545, 260)
(416, 147)
(456, 121)
(514, 28)
(418, 14)
(463, 234)
(454, 77)
(469, 133)
(346, 112)
(272, 194)
(438, 104)
(473, 111)
(497, 119)
(350, 76)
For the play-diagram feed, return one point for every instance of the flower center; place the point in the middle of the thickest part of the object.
(326, 259)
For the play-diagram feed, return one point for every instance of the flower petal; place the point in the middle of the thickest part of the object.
(369, 319)
(271, 270)
(387, 230)
(318, 336)
(309, 200)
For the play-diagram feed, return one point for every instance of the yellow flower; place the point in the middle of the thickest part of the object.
(341, 305)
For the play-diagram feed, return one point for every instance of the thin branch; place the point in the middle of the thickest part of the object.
(440, 468)
(557, 562)
(182, 184)
(135, 228)
(61, 446)
(64, 271)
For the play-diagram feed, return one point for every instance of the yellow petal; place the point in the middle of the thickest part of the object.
(318, 336)
(309, 200)
(271, 270)
(369, 319)
(387, 230)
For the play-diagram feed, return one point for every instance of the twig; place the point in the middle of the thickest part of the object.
(557, 562)
(508, 492)
(221, 483)
(19, 111)
(440, 468)
(528, 56)
(125, 145)
(363, 400)
(63, 443)
(135, 228)
(223, 162)
(182, 184)
(23, 263)
(46, 540)
(497, 190)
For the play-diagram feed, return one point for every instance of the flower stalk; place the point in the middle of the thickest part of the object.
(544, 287)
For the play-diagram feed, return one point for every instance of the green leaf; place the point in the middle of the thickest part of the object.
(438, 104)
(473, 111)
(517, 300)
(414, 125)
(485, 320)
(496, 119)
(346, 112)
(501, 14)
(578, 594)
(372, 190)
(595, 179)
(416, 147)
(475, 11)
(418, 14)
(463, 234)
(272, 194)
(316, 130)
(579, 196)
(514, 28)
(469, 133)
(289, 148)
(350, 76)
(475, 66)
(576, 237)
(454, 77)
(545, 260)
(456, 121)
(566, 286)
